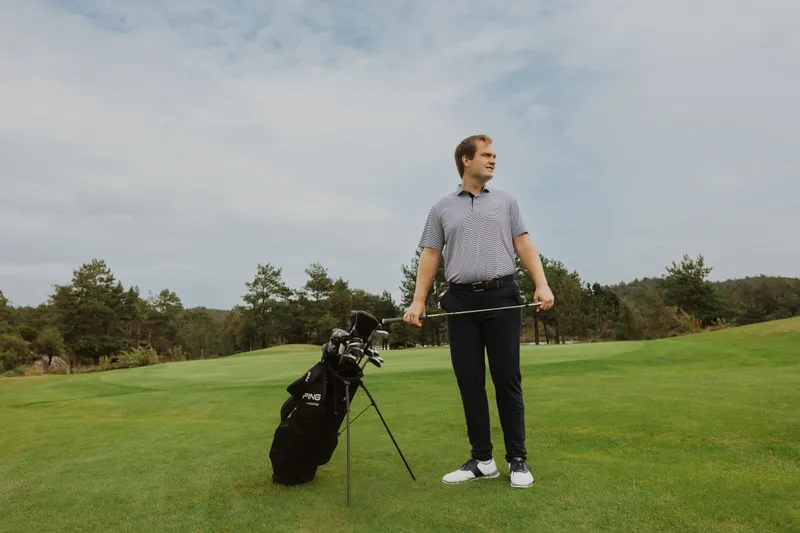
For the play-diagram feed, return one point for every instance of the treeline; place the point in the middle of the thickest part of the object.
(681, 301)
(95, 323)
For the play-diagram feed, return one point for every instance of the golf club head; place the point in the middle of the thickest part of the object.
(362, 324)
(339, 335)
(379, 335)
(348, 357)
(373, 357)
(356, 351)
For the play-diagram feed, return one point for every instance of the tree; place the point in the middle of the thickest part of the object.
(5, 314)
(265, 296)
(163, 314)
(13, 352)
(199, 334)
(315, 314)
(238, 331)
(686, 287)
(319, 285)
(340, 302)
(565, 318)
(50, 343)
(602, 311)
(527, 288)
(92, 312)
(571, 303)
(432, 331)
(760, 298)
(555, 273)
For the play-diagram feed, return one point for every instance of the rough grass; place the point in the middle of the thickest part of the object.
(698, 433)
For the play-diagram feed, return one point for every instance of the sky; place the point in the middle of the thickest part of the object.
(185, 143)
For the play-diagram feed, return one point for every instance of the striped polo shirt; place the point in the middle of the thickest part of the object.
(476, 234)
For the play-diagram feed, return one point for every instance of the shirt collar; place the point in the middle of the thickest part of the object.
(460, 189)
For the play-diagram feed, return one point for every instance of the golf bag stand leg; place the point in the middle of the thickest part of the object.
(371, 399)
(347, 400)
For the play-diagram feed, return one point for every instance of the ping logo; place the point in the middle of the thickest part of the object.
(317, 397)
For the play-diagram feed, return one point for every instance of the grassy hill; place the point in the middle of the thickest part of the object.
(311, 350)
(696, 433)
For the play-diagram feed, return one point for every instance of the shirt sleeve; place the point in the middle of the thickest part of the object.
(518, 226)
(433, 232)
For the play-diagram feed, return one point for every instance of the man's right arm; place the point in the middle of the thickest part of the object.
(432, 243)
(428, 263)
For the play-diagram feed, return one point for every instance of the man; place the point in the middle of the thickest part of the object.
(478, 229)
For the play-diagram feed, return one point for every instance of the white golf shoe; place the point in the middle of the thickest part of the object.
(520, 473)
(472, 470)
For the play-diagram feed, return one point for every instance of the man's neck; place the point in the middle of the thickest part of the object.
(472, 185)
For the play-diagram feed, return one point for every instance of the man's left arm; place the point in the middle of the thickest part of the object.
(526, 250)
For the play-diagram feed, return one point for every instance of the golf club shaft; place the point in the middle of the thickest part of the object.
(400, 319)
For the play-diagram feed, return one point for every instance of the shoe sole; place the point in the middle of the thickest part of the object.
(522, 486)
(487, 476)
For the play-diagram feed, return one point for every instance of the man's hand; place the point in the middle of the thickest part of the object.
(523, 245)
(414, 313)
(544, 295)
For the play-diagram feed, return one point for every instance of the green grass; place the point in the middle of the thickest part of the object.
(699, 433)
(287, 348)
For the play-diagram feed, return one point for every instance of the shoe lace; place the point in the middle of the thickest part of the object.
(519, 466)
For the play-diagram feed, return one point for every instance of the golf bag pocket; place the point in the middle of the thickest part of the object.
(295, 453)
(309, 393)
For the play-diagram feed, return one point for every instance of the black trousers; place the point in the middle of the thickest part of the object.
(496, 335)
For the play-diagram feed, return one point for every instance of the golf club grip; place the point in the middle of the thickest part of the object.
(392, 320)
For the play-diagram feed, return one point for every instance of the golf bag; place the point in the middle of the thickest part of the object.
(311, 417)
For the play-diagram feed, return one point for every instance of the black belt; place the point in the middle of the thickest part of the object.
(479, 286)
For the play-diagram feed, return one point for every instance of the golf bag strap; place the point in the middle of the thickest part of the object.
(287, 407)
(338, 376)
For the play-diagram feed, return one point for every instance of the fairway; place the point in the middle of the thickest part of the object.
(697, 433)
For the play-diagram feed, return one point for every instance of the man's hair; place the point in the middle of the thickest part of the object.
(468, 147)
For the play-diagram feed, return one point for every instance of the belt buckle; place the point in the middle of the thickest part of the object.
(476, 285)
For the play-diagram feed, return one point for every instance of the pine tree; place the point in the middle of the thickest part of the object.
(432, 331)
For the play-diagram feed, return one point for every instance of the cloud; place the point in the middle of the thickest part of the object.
(185, 145)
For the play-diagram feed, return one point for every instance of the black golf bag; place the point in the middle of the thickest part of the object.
(311, 417)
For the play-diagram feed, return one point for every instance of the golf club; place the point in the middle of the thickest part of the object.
(400, 319)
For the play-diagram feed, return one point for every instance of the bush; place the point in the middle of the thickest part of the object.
(684, 323)
(13, 352)
(28, 333)
(138, 356)
(719, 323)
(177, 353)
(49, 342)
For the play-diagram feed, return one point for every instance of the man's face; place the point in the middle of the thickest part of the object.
(482, 165)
